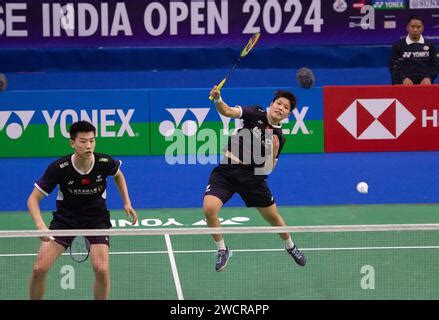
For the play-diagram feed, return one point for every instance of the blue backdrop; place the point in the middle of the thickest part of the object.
(312, 179)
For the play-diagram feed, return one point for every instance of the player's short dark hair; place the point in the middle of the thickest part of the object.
(415, 17)
(81, 126)
(288, 95)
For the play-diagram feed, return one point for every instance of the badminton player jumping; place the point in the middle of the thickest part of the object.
(250, 155)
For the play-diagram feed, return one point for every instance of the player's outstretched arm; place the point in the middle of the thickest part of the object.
(222, 107)
(121, 185)
(33, 204)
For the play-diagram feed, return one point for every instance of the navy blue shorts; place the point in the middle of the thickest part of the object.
(66, 241)
(226, 179)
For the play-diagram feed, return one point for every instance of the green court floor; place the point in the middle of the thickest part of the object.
(341, 265)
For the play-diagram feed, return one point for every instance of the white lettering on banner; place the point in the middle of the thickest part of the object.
(104, 19)
(424, 4)
(10, 18)
(433, 118)
(300, 124)
(102, 119)
(107, 123)
(272, 16)
(159, 10)
(63, 122)
(155, 222)
(88, 20)
(300, 121)
(178, 12)
(199, 14)
(190, 128)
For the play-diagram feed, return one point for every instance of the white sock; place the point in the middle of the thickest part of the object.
(220, 245)
(289, 244)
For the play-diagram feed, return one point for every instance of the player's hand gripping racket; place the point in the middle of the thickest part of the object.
(248, 47)
(80, 249)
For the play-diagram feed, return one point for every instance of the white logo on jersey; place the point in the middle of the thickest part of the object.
(64, 164)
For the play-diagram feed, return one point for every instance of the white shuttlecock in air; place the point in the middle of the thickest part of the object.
(362, 187)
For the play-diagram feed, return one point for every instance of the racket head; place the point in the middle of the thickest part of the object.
(250, 44)
(247, 48)
(79, 249)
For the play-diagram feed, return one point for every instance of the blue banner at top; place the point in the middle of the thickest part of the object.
(208, 23)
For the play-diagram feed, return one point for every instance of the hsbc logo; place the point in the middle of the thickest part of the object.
(376, 119)
(14, 129)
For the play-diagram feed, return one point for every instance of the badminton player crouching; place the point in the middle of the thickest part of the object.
(250, 155)
(81, 204)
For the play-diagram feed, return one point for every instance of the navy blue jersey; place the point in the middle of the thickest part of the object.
(251, 141)
(81, 195)
(415, 61)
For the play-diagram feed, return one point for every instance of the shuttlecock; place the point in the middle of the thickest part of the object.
(3, 82)
(362, 187)
(305, 77)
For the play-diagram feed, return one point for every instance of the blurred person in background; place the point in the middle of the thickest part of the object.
(414, 59)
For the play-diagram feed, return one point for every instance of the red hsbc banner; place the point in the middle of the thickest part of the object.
(381, 118)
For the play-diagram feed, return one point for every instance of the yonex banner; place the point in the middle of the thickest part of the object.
(186, 122)
(144, 122)
(195, 23)
(381, 118)
(36, 123)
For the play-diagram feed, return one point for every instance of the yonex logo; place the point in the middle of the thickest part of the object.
(376, 119)
(300, 121)
(102, 119)
(416, 54)
(188, 127)
(15, 130)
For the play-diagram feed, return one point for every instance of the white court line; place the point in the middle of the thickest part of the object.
(174, 267)
(240, 250)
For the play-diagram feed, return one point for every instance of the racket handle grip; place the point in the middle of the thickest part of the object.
(218, 87)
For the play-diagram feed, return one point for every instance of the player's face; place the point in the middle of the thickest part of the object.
(280, 109)
(415, 29)
(84, 144)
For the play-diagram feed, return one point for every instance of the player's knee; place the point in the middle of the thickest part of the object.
(210, 212)
(274, 219)
(101, 270)
(39, 271)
